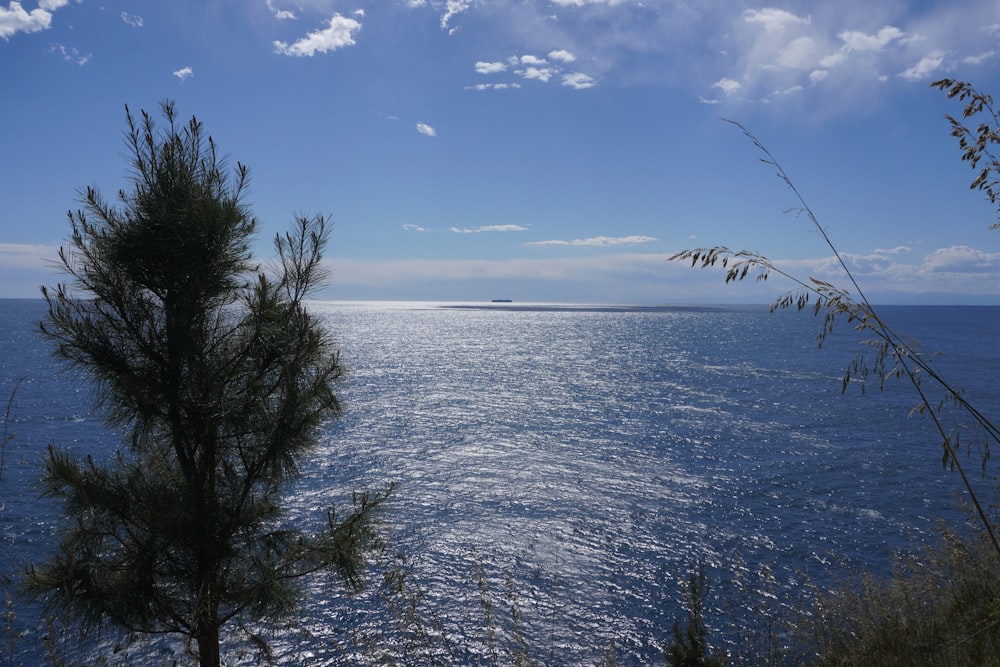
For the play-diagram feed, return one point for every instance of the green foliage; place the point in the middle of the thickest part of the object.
(218, 377)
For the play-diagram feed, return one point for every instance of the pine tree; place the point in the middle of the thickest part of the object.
(218, 377)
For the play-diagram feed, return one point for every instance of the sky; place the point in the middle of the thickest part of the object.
(537, 150)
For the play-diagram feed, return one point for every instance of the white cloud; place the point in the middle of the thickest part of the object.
(833, 59)
(489, 228)
(134, 21)
(539, 73)
(24, 267)
(581, 3)
(452, 9)
(24, 256)
(71, 55)
(280, 14)
(727, 86)
(818, 75)
(15, 19)
(791, 90)
(184, 73)
(633, 277)
(337, 35)
(842, 56)
(607, 277)
(598, 241)
(859, 41)
(953, 270)
(530, 66)
(925, 67)
(460, 274)
(493, 86)
(798, 54)
(979, 59)
(414, 228)
(578, 81)
(773, 20)
(490, 68)
(962, 259)
(426, 130)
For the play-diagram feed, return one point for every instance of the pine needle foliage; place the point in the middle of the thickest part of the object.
(887, 354)
(219, 379)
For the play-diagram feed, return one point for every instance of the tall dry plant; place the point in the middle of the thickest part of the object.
(889, 353)
(6, 436)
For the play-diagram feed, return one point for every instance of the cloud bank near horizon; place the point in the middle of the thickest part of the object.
(616, 277)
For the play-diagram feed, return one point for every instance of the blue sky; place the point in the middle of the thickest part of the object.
(552, 150)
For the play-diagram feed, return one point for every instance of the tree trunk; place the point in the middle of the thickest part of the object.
(208, 647)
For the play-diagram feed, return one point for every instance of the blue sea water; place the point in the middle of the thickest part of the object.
(582, 459)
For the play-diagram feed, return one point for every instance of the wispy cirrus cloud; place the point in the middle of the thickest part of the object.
(608, 278)
(71, 55)
(23, 267)
(925, 68)
(582, 3)
(452, 9)
(337, 35)
(493, 86)
(489, 228)
(597, 241)
(280, 14)
(134, 21)
(24, 255)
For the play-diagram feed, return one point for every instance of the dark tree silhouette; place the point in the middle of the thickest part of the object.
(219, 378)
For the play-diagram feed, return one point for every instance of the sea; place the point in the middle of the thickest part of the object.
(560, 471)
